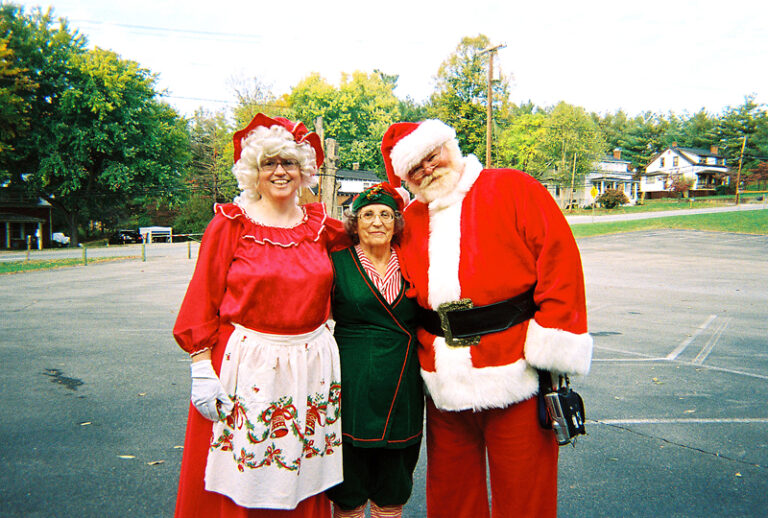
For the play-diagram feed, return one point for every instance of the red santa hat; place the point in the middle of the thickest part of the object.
(297, 129)
(405, 144)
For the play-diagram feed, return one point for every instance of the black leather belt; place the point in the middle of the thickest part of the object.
(462, 324)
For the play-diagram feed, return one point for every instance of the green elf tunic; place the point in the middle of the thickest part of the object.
(381, 387)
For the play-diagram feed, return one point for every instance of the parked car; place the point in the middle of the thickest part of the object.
(124, 237)
(60, 239)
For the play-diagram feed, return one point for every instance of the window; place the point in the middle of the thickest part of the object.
(661, 162)
(675, 161)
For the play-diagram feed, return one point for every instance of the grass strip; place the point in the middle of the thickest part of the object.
(8, 267)
(746, 222)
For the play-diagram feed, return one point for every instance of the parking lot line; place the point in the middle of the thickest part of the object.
(680, 348)
(684, 420)
(707, 349)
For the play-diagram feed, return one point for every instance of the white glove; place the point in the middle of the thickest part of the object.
(208, 394)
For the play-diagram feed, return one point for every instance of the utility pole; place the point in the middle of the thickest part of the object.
(738, 174)
(489, 117)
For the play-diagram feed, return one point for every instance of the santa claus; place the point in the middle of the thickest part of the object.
(496, 270)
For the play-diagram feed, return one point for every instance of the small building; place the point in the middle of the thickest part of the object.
(611, 173)
(349, 183)
(704, 169)
(22, 217)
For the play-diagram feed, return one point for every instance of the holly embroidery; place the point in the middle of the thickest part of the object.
(279, 421)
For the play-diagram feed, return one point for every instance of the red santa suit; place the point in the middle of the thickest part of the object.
(496, 235)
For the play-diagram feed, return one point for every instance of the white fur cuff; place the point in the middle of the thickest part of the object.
(557, 350)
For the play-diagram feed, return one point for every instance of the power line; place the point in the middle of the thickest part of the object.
(172, 30)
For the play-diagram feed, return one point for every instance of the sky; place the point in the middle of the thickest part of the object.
(665, 56)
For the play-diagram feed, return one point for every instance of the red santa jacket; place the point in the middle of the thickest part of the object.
(493, 237)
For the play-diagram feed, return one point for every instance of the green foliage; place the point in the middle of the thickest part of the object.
(570, 145)
(98, 141)
(612, 198)
(210, 171)
(461, 94)
(356, 114)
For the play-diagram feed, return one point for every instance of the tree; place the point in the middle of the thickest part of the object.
(520, 146)
(15, 85)
(254, 96)
(461, 94)
(209, 177)
(356, 114)
(571, 145)
(749, 120)
(99, 142)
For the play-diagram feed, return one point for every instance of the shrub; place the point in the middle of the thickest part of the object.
(722, 190)
(612, 198)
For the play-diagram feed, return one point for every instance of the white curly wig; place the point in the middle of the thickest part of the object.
(271, 142)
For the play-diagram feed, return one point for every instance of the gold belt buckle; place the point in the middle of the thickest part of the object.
(445, 325)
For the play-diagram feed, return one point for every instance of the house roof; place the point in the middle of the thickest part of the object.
(358, 174)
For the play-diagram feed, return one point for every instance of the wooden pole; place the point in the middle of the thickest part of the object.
(321, 172)
(738, 174)
(489, 117)
(489, 108)
(573, 175)
(328, 180)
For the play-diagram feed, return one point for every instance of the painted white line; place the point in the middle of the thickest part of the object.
(614, 350)
(707, 349)
(628, 360)
(680, 348)
(723, 369)
(734, 420)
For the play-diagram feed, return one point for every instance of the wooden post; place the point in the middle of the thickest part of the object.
(569, 203)
(320, 133)
(738, 174)
(328, 179)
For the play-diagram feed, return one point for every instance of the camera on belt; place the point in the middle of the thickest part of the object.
(565, 410)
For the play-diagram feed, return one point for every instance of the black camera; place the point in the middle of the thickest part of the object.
(564, 411)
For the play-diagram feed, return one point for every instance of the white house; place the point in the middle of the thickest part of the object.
(611, 173)
(706, 169)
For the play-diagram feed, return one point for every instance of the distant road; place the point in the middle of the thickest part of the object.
(661, 214)
(152, 250)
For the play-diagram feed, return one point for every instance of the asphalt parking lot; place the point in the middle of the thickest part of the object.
(94, 390)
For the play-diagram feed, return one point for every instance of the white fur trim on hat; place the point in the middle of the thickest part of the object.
(412, 148)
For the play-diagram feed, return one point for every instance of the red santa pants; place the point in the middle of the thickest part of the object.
(522, 461)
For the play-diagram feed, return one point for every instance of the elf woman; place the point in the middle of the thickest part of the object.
(383, 402)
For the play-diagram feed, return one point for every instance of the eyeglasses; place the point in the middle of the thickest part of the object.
(430, 162)
(270, 165)
(386, 216)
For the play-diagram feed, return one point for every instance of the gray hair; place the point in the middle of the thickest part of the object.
(271, 142)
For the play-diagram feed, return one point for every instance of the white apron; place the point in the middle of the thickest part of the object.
(282, 442)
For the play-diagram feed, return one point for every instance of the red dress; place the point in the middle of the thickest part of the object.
(269, 279)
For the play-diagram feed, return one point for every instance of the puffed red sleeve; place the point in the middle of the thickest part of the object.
(557, 337)
(197, 323)
(336, 237)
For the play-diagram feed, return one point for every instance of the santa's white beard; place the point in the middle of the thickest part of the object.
(442, 181)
